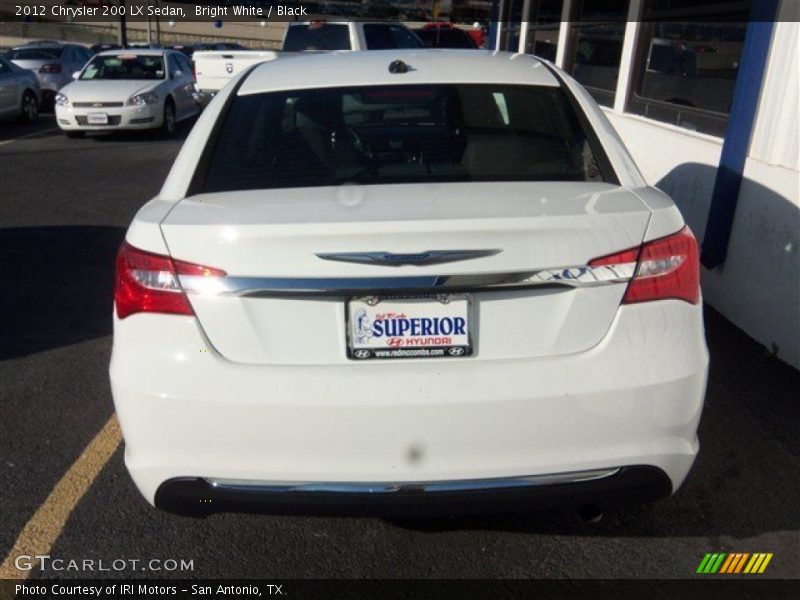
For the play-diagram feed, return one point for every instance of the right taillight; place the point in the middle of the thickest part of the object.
(667, 268)
(147, 282)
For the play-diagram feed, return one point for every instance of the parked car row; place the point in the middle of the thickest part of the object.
(147, 86)
(34, 75)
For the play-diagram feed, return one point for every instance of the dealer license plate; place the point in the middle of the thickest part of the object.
(427, 327)
(97, 119)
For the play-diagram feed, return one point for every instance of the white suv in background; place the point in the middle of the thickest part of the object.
(401, 282)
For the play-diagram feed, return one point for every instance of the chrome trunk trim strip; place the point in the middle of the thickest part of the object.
(583, 276)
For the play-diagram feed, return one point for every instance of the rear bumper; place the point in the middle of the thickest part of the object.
(186, 412)
(201, 497)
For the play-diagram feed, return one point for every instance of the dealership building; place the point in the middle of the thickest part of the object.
(706, 96)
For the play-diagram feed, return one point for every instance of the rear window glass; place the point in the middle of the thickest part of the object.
(400, 134)
(125, 66)
(317, 36)
(35, 54)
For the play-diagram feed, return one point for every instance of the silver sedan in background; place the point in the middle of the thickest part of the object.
(52, 62)
(20, 94)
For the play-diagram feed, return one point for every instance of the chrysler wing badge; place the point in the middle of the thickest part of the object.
(419, 259)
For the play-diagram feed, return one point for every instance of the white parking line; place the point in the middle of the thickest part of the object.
(28, 135)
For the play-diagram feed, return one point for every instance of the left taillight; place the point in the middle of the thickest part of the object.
(666, 268)
(147, 282)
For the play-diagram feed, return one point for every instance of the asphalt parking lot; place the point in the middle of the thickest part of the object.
(64, 209)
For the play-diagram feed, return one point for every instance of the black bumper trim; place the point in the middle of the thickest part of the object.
(194, 496)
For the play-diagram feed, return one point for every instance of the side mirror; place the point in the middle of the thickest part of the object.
(76, 74)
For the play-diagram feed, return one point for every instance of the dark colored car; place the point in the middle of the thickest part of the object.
(446, 37)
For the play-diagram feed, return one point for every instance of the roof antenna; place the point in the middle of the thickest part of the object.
(398, 67)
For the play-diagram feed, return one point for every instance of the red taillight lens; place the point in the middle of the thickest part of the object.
(667, 268)
(54, 68)
(147, 282)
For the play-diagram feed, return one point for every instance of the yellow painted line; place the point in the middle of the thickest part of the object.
(28, 135)
(47, 523)
(764, 564)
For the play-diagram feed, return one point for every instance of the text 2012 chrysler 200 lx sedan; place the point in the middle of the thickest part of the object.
(403, 282)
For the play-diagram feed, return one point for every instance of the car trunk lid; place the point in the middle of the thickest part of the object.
(273, 238)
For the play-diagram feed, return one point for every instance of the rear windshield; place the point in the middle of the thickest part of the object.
(125, 66)
(317, 36)
(400, 134)
(35, 54)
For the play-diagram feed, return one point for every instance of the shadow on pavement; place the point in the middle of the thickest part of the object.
(11, 129)
(58, 286)
(46, 127)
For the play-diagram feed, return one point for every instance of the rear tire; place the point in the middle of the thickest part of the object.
(169, 125)
(29, 108)
(74, 134)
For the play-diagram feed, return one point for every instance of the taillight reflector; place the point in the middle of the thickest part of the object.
(147, 282)
(667, 268)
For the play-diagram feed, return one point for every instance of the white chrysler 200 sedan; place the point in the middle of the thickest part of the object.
(399, 282)
(128, 89)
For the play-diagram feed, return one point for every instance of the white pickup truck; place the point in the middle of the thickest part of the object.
(214, 69)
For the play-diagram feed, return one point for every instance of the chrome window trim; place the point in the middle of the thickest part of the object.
(386, 487)
(573, 277)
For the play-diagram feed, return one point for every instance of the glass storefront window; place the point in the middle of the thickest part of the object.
(513, 26)
(544, 19)
(596, 46)
(687, 61)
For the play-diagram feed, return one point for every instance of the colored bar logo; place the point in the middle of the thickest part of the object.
(735, 562)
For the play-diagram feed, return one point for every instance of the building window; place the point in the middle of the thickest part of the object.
(544, 19)
(687, 60)
(512, 26)
(596, 46)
